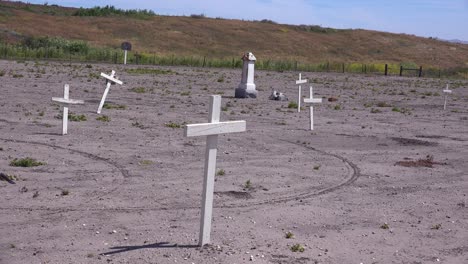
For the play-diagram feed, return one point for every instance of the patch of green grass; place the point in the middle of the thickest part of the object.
(76, 118)
(384, 226)
(114, 106)
(248, 184)
(292, 104)
(396, 109)
(148, 71)
(297, 248)
(146, 162)
(220, 172)
(138, 90)
(337, 107)
(172, 125)
(26, 162)
(103, 118)
(289, 235)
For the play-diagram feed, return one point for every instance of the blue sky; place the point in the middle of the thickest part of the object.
(446, 19)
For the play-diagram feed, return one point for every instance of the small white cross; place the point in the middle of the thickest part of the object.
(211, 130)
(312, 100)
(299, 82)
(110, 80)
(66, 101)
(446, 92)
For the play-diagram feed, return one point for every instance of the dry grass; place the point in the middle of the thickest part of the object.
(223, 38)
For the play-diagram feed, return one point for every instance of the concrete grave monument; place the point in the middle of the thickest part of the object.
(111, 79)
(446, 92)
(246, 88)
(66, 101)
(312, 100)
(299, 82)
(211, 130)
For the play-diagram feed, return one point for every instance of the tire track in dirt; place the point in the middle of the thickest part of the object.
(353, 174)
(109, 162)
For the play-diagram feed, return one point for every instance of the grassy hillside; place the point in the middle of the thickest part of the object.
(222, 38)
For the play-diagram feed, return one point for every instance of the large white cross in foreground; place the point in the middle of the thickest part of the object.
(110, 80)
(312, 100)
(66, 101)
(446, 92)
(299, 82)
(211, 130)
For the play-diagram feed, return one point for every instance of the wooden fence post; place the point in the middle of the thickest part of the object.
(386, 69)
(401, 70)
(343, 67)
(420, 71)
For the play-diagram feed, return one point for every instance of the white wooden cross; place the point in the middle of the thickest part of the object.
(211, 130)
(446, 92)
(312, 100)
(66, 101)
(110, 80)
(299, 82)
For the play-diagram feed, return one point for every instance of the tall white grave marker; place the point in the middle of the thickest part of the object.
(312, 100)
(246, 88)
(211, 130)
(446, 92)
(110, 80)
(66, 101)
(299, 82)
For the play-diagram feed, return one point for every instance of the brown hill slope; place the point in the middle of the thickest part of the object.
(220, 38)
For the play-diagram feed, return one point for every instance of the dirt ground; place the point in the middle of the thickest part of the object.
(383, 178)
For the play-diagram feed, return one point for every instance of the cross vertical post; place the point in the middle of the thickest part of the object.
(66, 101)
(312, 100)
(66, 96)
(446, 92)
(211, 129)
(110, 80)
(125, 57)
(299, 82)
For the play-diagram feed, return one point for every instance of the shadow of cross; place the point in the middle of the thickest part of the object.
(117, 250)
(66, 101)
(211, 130)
(447, 91)
(110, 80)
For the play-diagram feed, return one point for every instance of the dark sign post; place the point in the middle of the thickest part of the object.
(126, 46)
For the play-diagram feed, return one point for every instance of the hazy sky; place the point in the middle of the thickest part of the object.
(447, 19)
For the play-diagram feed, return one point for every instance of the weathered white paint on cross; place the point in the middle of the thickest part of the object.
(299, 82)
(110, 80)
(211, 130)
(66, 101)
(312, 100)
(446, 92)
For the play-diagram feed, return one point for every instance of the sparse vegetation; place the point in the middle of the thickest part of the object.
(220, 172)
(26, 162)
(65, 192)
(384, 226)
(103, 118)
(289, 235)
(248, 184)
(292, 104)
(138, 89)
(297, 248)
(148, 71)
(172, 125)
(112, 106)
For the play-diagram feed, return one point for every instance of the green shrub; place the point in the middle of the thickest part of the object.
(26, 162)
(292, 104)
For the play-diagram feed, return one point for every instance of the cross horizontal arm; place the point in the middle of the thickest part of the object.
(301, 81)
(112, 79)
(312, 100)
(67, 101)
(207, 129)
(447, 91)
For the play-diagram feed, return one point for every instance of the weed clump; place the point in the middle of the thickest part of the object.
(26, 162)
